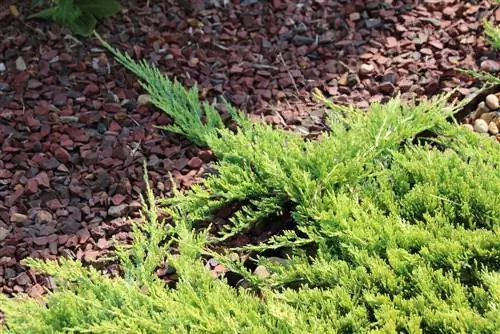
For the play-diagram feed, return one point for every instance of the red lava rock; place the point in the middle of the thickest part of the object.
(5, 174)
(112, 107)
(36, 291)
(91, 89)
(32, 186)
(195, 163)
(54, 204)
(41, 241)
(43, 179)
(102, 243)
(84, 235)
(386, 88)
(118, 199)
(62, 155)
(23, 279)
(206, 155)
(90, 255)
(59, 99)
(43, 217)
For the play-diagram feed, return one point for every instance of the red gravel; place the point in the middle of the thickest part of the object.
(73, 138)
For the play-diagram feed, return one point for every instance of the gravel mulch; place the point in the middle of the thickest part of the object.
(74, 130)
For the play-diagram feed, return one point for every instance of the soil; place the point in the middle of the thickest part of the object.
(73, 136)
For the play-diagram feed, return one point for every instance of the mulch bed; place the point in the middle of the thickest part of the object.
(73, 136)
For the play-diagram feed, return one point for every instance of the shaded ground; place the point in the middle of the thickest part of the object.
(73, 135)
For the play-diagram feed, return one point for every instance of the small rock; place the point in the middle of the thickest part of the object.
(195, 163)
(3, 233)
(480, 126)
(390, 77)
(143, 99)
(482, 106)
(118, 210)
(386, 88)
(491, 66)
(352, 79)
(354, 16)
(23, 279)
(492, 128)
(492, 102)
(90, 255)
(102, 243)
(34, 84)
(91, 89)
(62, 155)
(365, 69)
(373, 23)
(36, 291)
(43, 217)
(2, 67)
(59, 99)
(18, 218)
(41, 241)
(468, 126)
(20, 64)
(261, 272)
(117, 199)
(488, 116)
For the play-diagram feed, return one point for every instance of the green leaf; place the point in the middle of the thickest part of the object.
(44, 14)
(83, 25)
(99, 8)
(66, 12)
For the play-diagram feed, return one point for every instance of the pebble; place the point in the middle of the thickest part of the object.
(480, 126)
(43, 217)
(492, 128)
(366, 69)
(3, 233)
(488, 116)
(482, 106)
(491, 66)
(20, 64)
(118, 210)
(468, 126)
(18, 218)
(261, 272)
(492, 102)
(2, 67)
(143, 99)
(386, 88)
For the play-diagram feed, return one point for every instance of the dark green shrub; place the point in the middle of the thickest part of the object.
(79, 15)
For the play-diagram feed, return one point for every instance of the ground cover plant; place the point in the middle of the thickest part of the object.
(388, 233)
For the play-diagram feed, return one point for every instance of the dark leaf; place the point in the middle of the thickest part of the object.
(84, 25)
(99, 8)
(66, 12)
(44, 14)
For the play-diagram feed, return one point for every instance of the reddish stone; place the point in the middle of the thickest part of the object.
(118, 199)
(112, 107)
(195, 163)
(32, 186)
(62, 155)
(41, 241)
(90, 255)
(91, 89)
(43, 179)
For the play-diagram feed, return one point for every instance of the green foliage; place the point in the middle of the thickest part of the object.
(79, 15)
(405, 236)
